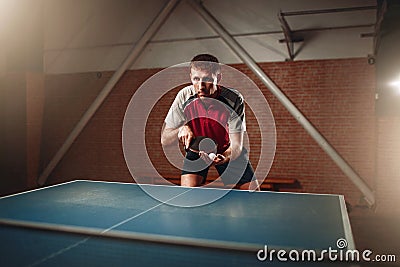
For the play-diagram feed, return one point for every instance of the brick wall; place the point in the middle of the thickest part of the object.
(337, 96)
(387, 182)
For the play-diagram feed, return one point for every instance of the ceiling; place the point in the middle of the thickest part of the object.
(97, 35)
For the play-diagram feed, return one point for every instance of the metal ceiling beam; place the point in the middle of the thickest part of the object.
(331, 10)
(250, 34)
(288, 33)
(381, 14)
(249, 61)
(381, 10)
(129, 60)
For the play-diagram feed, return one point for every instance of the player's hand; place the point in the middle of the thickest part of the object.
(185, 135)
(211, 159)
(219, 159)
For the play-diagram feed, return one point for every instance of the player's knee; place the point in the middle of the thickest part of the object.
(191, 180)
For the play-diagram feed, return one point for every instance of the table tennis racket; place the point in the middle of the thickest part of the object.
(202, 143)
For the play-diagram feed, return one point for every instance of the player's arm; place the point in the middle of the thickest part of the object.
(233, 151)
(175, 127)
(171, 135)
(235, 148)
(237, 127)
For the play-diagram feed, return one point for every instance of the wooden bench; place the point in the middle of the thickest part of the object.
(269, 184)
(275, 184)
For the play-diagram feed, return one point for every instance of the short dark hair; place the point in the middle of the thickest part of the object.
(206, 62)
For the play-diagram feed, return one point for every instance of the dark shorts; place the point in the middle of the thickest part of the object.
(238, 171)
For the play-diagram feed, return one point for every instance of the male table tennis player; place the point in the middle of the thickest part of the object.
(204, 113)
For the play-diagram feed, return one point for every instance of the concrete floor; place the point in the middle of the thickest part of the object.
(379, 233)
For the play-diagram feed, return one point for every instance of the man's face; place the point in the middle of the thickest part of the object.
(204, 82)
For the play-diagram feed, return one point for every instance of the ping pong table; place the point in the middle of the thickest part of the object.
(94, 223)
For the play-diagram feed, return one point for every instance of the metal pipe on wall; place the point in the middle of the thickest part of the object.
(249, 61)
(134, 53)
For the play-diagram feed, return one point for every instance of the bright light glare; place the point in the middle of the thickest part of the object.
(396, 85)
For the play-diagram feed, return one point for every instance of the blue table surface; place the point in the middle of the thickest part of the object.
(279, 220)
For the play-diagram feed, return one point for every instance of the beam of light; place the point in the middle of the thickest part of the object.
(395, 84)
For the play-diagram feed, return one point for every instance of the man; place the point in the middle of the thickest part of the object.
(206, 111)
